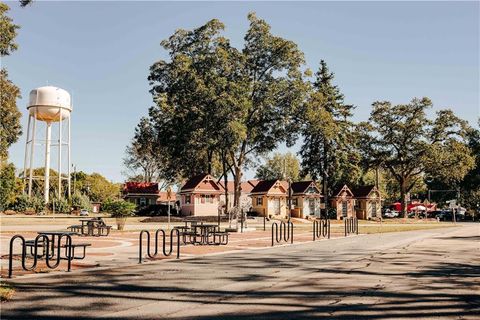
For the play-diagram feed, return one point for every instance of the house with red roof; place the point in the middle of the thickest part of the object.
(146, 193)
(306, 199)
(200, 196)
(245, 187)
(269, 199)
(367, 202)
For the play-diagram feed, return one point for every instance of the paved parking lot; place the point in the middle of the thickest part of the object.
(426, 274)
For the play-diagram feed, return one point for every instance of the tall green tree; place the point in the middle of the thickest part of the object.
(328, 150)
(271, 90)
(144, 156)
(10, 128)
(405, 142)
(212, 99)
(191, 95)
(280, 166)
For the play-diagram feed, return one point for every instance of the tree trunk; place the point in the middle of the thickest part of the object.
(325, 178)
(225, 181)
(403, 198)
(237, 187)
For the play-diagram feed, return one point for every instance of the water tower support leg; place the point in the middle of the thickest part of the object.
(60, 156)
(69, 165)
(26, 154)
(32, 150)
(47, 162)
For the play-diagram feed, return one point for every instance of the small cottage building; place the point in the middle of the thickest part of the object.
(200, 196)
(367, 202)
(344, 202)
(245, 200)
(306, 199)
(141, 193)
(269, 199)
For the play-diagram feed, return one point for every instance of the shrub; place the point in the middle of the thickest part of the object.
(60, 205)
(21, 203)
(120, 208)
(80, 201)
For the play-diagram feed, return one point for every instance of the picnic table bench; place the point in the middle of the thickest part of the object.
(91, 227)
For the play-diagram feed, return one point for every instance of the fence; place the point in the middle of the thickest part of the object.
(46, 244)
(351, 225)
(164, 245)
(284, 233)
(321, 228)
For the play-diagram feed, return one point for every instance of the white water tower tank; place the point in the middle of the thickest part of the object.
(49, 107)
(49, 104)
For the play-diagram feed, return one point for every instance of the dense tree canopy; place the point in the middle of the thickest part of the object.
(280, 166)
(329, 142)
(10, 128)
(212, 99)
(403, 140)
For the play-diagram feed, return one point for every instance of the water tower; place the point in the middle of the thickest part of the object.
(48, 107)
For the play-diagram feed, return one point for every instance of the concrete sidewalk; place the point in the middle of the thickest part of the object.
(418, 274)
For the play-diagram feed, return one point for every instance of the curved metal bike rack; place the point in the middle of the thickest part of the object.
(164, 244)
(282, 233)
(351, 226)
(321, 228)
(47, 245)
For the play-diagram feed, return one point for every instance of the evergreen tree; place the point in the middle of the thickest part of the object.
(328, 150)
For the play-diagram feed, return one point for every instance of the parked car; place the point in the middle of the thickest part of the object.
(391, 213)
(83, 212)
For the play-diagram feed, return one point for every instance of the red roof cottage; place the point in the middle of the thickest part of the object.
(141, 193)
(200, 196)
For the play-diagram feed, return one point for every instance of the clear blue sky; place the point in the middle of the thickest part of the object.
(101, 52)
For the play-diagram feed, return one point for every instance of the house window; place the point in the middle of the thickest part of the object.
(202, 198)
(187, 199)
(143, 201)
(374, 209)
(211, 198)
(259, 201)
(295, 202)
(344, 208)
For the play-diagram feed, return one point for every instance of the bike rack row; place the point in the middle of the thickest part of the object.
(321, 228)
(164, 248)
(47, 244)
(351, 225)
(284, 233)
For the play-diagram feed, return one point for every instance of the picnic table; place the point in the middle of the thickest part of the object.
(52, 234)
(72, 245)
(91, 225)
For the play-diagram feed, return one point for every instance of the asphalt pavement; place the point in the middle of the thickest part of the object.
(425, 274)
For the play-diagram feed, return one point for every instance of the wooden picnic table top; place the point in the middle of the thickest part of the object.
(54, 233)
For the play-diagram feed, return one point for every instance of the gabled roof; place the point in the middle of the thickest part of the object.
(302, 186)
(338, 191)
(246, 186)
(194, 182)
(141, 187)
(264, 186)
(363, 191)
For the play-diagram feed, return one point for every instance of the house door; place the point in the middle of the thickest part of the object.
(276, 206)
(374, 209)
(311, 206)
(344, 208)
